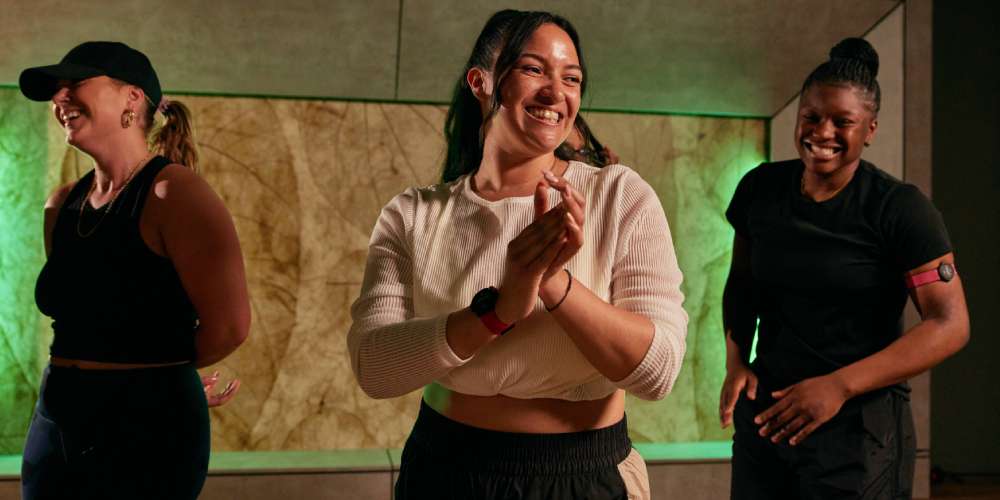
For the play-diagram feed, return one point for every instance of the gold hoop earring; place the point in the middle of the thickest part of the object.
(128, 118)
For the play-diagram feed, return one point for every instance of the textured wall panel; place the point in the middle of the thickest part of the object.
(23, 150)
(305, 180)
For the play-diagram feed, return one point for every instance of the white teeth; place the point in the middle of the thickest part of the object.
(69, 115)
(822, 151)
(544, 114)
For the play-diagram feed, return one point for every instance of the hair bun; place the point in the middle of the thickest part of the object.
(858, 49)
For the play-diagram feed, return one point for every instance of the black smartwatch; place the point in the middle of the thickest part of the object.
(484, 306)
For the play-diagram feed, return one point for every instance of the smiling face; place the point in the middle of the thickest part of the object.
(540, 97)
(91, 110)
(834, 123)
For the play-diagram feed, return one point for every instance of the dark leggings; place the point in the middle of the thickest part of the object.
(445, 459)
(113, 434)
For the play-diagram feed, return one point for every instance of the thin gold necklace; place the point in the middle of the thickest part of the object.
(107, 206)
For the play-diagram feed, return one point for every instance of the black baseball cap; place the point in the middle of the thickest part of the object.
(90, 59)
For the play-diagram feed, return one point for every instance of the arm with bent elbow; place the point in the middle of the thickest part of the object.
(200, 240)
(392, 352)
(638, 339)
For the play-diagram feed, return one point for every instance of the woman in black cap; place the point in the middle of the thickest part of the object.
(827, 247)
(144, 282)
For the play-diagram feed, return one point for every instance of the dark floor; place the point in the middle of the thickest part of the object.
(968, 488)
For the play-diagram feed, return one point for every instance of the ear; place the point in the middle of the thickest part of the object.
(870, 134)
(135, 96)
(481, 83)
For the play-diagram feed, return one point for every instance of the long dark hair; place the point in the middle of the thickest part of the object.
(592, 152)
(497, 49)
(852, 62)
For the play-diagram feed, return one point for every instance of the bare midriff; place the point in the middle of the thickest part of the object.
(84, 364)
(540, 415)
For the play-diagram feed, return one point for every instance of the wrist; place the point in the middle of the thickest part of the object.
(734, 358)
(552, 289)
(485, 305)
(843, 384)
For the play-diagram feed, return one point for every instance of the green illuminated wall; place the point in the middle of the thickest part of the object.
(694, 163)
(304, 180)
(23, 185)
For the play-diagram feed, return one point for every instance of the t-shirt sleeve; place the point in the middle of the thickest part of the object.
(914, 229)
(739, 207)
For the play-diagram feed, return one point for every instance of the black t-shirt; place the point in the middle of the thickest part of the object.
(829, 276)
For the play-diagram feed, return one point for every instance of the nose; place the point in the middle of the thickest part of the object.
(824, 129)
(551, 92)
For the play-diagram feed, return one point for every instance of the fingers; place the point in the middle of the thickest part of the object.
(541, 199)
(790, 428)
(727, 402)
(573, 201)
(805, 431)
(534, 250)
(752, 387)
(549, 254)
(539, 231)
(227, 394)
(769, 413)
(779, 422)
(574, 232)
(573, 243)
(209, 381)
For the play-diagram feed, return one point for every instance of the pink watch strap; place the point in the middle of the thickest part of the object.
(494, 324)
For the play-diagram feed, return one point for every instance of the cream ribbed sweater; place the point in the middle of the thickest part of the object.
(433, 248)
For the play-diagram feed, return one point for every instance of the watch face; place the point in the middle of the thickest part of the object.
(484, 301)
(946, 272)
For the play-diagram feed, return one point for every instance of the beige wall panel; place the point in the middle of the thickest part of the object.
(783, 130)
(305, 181)
(886, 150)
(326, 48)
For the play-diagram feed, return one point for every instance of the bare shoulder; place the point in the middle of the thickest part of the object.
(179, 188)
(59, 195)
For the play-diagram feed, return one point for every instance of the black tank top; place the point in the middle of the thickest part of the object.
(110, 297)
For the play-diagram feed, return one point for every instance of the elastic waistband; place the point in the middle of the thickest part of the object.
(473, 448)
(68, 380)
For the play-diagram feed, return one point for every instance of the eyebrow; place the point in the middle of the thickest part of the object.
(542, 59)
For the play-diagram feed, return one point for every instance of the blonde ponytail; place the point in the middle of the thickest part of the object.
(175, 138)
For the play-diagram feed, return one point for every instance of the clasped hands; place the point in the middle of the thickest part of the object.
(535, 258)
(222, 397)
(799, 410)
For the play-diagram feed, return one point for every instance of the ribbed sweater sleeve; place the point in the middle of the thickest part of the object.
(646, 280)
(392, 352)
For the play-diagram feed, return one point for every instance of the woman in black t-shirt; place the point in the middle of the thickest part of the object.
(827, 248)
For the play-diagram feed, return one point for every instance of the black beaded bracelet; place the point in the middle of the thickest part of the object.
(569, 284)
